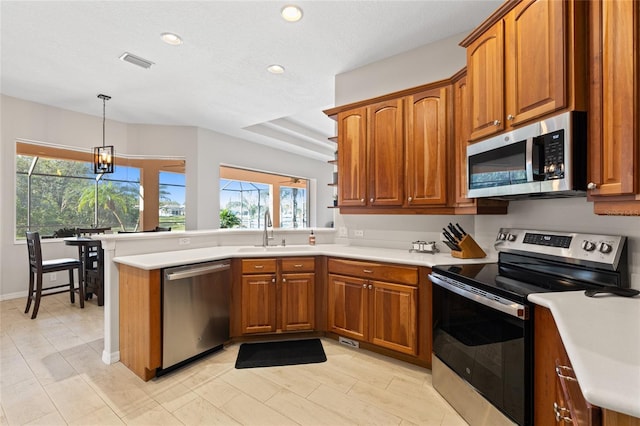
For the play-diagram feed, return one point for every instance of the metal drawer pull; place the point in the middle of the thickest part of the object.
(297, 265)
(259, 266)
(562, 375)
(367, 271)
(560, 413)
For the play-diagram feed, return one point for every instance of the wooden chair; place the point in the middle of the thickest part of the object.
(39, 267)
(93, 258)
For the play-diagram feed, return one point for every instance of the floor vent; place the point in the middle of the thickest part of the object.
(349, 342)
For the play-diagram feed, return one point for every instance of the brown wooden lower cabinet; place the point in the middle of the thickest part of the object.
(278, 295)
(366, 304)
(140, 322)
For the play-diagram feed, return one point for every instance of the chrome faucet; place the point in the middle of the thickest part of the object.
(267, 224)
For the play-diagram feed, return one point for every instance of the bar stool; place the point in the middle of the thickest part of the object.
(39, 267)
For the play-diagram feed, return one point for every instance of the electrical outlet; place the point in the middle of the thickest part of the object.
(53, 277)
(342, 232)
(184, 241)
(359, 233)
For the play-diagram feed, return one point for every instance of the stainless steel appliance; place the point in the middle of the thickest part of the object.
(544, 159)
(482, 326)
(195, 311)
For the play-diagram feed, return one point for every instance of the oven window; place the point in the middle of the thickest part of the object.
(483, 346)
(498, 167)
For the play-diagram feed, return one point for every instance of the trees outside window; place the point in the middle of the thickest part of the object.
(247, 194)
(56, 189)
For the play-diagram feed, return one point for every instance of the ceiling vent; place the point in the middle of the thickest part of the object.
(136, 60)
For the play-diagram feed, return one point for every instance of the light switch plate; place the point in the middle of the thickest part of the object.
(358, 233)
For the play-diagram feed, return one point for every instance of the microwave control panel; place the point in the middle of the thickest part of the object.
(552, 147)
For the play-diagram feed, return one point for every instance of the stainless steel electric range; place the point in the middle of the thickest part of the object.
(482, 321)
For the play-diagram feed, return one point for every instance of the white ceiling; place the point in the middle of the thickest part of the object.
(63, 53)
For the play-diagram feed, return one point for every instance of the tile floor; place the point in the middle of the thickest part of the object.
(51, 374)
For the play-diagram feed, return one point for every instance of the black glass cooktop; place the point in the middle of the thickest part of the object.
(516, 276)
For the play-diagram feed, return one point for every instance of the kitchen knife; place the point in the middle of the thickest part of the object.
(450, 238)
(452, 246)
(460, 228)
(455, 232)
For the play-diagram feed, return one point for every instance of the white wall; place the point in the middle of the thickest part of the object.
(204, 151)
(425, 64)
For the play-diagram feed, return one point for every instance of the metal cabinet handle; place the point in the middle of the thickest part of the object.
(496, 122)
(297, 265)
(560, 413)
(364, 286)
(370, 286)
(410, 199)
(284, 280)
(258, 266)
(371, 200)
(273, 280)
(592, 185)
(362, 200)
(510, 117)
(367, 271)
(561, 374)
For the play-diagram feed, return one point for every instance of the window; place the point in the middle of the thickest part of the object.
(246, 195)
(57, 191)
(172, 200)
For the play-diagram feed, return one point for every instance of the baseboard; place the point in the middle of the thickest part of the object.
(110, 358)
(9, 296)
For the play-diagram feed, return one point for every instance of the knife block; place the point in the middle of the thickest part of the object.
(470, 249)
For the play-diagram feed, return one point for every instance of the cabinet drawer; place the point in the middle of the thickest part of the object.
(258, 266)
(375, 271)
(298, 264)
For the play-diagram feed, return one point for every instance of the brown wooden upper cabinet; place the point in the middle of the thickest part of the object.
(614, 110)
(522, 64)
(394, 153)
(385, 146)
(352, 157)
(427, 147)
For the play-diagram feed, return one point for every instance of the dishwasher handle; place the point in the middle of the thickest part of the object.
(196, 271)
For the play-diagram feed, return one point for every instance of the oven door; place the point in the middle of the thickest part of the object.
(486, 341)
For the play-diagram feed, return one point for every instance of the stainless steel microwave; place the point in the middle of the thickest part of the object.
(545, 159)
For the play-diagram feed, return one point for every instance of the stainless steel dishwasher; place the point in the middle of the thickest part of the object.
(195, 310)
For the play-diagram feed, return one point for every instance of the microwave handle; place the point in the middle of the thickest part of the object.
(536, 152)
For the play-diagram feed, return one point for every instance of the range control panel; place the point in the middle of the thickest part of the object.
(566, 246)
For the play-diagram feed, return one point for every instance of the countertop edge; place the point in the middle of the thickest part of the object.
(606, 379)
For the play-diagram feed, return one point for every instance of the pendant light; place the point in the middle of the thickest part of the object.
(103, 156)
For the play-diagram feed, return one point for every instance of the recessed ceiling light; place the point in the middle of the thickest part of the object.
(291, 13)
(275, 69)
(171, 38)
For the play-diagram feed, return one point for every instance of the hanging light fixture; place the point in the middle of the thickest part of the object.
(103, 156)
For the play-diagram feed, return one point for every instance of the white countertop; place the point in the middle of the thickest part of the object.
(183, 257)
(602, 338)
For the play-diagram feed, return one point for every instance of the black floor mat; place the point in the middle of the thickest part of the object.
(288, 352)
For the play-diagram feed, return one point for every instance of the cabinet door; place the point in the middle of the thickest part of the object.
(386, 159)
(535, 55)
(614, 129)
(426, 148)
(298, 301)
(352, 157)
(461, 139)
(485, 71)
(258, 303)
(348, 313)
(394, 316)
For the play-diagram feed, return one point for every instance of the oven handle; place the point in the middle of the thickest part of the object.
(503, 305)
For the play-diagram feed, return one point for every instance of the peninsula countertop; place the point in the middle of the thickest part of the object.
(377, 254)
(602, 337)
